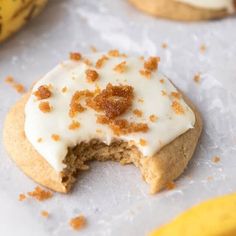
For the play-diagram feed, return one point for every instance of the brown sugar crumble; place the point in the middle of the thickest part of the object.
(145, 73)
(44, 214)
(87, 62)
(21, 197)
(45, 107)
(153, 118)
(197, 78)
(93, 49)
(9, 79)
(75, 56)
(163, 93)
(17, 86)
(137, 112)
(114, 53)
(141, 100)
(74, 125)
(170, 185)
(143, 142)
(42, 92)
(78, 222)
(121, 67)
(164, 45)
(162, 81)
(177, 108)
(64, 89)
(215, 159)
(152, 63)
(40, 194)
(176, 95)
(101, 61)
(91, 75)
(55, 137)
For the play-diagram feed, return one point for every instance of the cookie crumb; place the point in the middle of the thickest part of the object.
(75, 56)
(78, 222)
(197, 78)
(101, 61)
(39, 140)
(45, 107)
(55, 137)
(145, 73)
(162, 81)
(74, 125)
(152, 63)
(93, 49)
(142, 142)
(203, 48)
(121, 67)
(40, 194)
(215, 159)
(9, 79)
(64, 89)
(138, 113)
(21, 197)
(170, 185)
(87, 62)
(177, 108)
(163, 93)
(164, 45)
(91, 75)
(176, 95)
(44, 214)
(141, 100)
(114, 53)
(153, 118)
(17, 86)
(42, 92)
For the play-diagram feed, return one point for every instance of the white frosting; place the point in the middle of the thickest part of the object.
(211, 4)
(71, 74)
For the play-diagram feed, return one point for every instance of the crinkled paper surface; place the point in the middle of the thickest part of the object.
(114, 198)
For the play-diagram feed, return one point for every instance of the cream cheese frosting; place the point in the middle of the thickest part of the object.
(211, 4)
(151, 96)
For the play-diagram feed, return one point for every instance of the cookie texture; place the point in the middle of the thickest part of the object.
(178, 11)
(157, 171)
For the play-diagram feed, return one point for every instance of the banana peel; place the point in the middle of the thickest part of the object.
(14, 14)
(215, 217)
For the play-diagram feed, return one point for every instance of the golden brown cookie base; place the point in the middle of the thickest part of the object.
(157, 171)
(177, 11)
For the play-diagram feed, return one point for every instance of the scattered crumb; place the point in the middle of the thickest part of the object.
(209, 178)
(40, 194)
(87, 62)
(176, 95)
(145, 73)
(162, 81)
(78, 222)
(55, 137)
(21, 197)
(64, 90)
(164, 45)
(91, 75)
(17, 86)
(143, 142)
(141, 58)
(44, 214)
(197, 78)
(177, 108)
(93, 49)
(170, 185)
(152, 63)
(215, 159)
(43, 92)
(141, 100)
(74, 125)
(39, 140)
(75, 56)
(153, 118)
(101, 61)
(163, 93)
(138, 113)
(114, 53)
(203, 48)
(45, 107)
(120, 68)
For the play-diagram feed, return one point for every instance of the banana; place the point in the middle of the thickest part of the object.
(216, 217)
(15, 13)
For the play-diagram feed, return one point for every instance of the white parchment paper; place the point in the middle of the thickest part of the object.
(114, 198)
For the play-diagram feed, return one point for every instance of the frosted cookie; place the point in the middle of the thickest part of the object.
(102, 107)
(187, 10)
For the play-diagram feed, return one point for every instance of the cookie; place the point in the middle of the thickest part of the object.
(108, 109)
(187, 10)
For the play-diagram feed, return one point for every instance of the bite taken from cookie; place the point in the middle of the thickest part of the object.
(102, 106)
(187, 10)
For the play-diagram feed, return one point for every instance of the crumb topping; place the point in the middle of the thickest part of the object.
(177, 108)
(162, 81)
(9, 79)
(42, 92)
(91, 75)
(215, 159)
(87, 62)
(55, 137)
(74, 125)
(163, 93)
(93, 49)
(78, 222)
(45, 107)
(197, 78)
(75, 56)
(45, 214)
(121, 67)
(164, 45)
(21, 197)
(17, 86)
(40, 194)
(138, 113)
(64, 89)
(176, 95)
(153, 118)
(151, 64)
(203, 48)
(101, 61)
(143, 142)
(39, 140)
(145, 73)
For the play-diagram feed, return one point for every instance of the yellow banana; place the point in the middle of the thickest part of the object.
(15, 13)
(216, 217)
